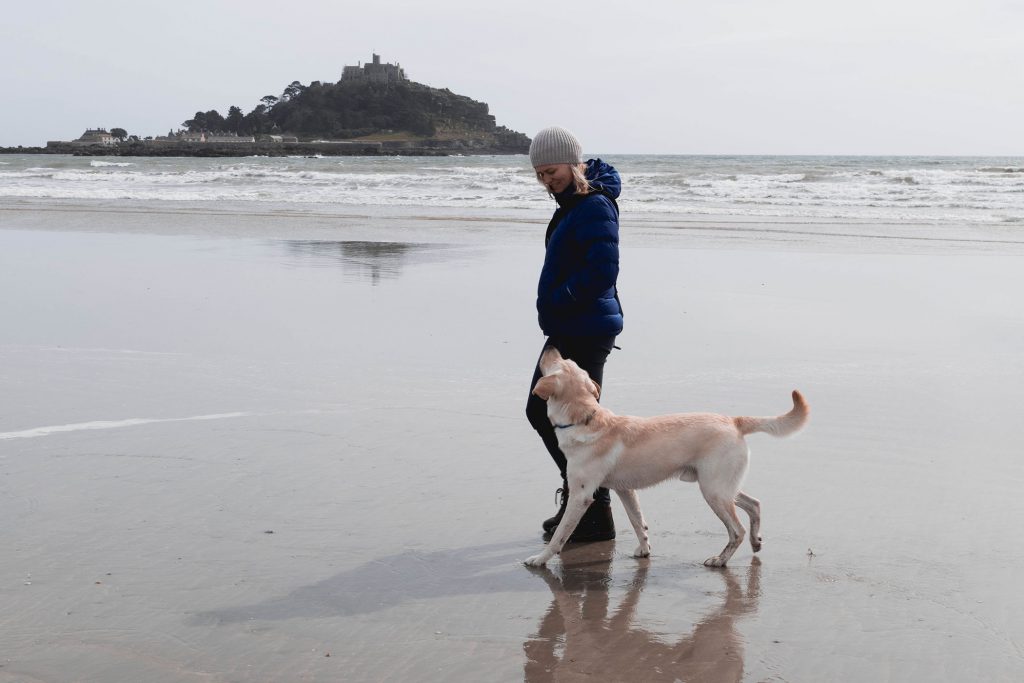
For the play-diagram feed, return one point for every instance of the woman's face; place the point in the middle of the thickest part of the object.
(555, 177)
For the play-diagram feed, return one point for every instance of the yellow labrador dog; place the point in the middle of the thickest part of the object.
(627, 453)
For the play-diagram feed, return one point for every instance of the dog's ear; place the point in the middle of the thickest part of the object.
(595, 389)
(545, 387)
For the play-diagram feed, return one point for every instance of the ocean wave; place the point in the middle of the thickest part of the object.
(850, 188)
(816, 177)
(1001, 169)
(766, 207)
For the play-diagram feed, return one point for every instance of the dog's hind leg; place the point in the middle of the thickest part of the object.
(725, 507)
(631, 502)
(752, 506)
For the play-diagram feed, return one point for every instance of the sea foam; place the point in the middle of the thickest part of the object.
(982, 190)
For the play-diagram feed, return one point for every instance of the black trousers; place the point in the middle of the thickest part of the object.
(590, 353)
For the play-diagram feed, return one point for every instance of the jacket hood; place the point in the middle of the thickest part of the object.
(603, 178)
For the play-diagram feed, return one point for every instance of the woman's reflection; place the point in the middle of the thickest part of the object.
(577, 637)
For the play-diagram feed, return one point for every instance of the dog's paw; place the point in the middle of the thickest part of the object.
(715, 561)
(535, 560)
(642, 551)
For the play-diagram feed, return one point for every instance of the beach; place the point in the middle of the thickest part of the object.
(287, 443)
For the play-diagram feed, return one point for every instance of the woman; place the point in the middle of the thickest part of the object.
(577, 301)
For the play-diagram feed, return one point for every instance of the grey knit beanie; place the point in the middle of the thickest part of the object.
(555, 145)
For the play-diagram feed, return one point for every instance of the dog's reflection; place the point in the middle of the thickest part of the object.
(578, 637)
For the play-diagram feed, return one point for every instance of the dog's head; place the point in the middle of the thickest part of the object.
(565, 381)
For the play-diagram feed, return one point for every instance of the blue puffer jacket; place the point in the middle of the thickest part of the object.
(576, 294)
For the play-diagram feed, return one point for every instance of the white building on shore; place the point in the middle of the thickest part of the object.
(95, 136)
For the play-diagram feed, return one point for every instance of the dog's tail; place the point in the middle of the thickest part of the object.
(783, 425)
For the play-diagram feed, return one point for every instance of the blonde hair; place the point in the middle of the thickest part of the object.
(579, 179)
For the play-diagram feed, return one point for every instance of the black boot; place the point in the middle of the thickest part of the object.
(597, 524)
(562, 496)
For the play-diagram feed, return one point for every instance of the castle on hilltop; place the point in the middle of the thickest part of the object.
(374, 72)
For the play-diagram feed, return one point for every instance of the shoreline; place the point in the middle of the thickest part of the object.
(346, 148)
(495, 226)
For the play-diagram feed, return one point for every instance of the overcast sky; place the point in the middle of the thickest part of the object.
(682, 77)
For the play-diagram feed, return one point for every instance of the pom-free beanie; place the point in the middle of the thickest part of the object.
(555, 145)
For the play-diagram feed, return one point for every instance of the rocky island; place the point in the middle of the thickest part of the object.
(373, 109)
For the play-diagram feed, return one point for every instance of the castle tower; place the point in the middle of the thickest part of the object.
(374, 72)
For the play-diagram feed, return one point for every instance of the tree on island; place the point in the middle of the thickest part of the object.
(292, 91)
(256, 121)
(350, 109)
(209, 121)
(234, 120)
(119, 133)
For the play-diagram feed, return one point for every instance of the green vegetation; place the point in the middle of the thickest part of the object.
(346, 110)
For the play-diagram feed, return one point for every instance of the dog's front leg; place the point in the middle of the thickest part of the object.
(580, 498)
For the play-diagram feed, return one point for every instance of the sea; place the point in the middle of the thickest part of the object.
(890, 190)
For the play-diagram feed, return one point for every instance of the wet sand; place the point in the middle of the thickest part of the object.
(301, 455)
